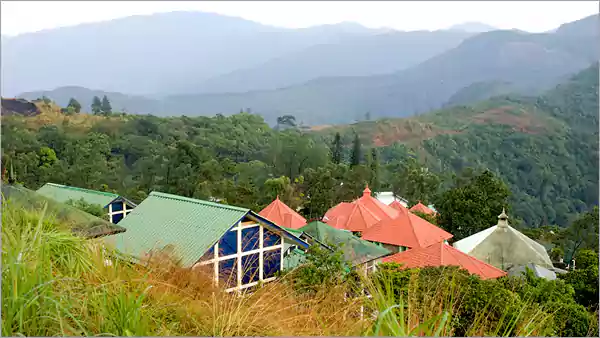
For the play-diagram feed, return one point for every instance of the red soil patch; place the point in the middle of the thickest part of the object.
(525, 122)
(406, 132)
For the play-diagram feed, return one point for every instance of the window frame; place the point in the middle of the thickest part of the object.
(238, 227)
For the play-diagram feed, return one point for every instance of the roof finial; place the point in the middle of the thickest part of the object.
(277, 198)
(367, 191)
(503, 219)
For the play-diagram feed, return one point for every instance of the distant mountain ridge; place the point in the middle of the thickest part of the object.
(525, 62)
(173, 53)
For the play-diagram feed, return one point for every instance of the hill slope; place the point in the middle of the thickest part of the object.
(359, 56)
(144, 54)
(545, 148)
(174, 53)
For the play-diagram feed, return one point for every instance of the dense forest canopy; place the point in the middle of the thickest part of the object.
(544, 149)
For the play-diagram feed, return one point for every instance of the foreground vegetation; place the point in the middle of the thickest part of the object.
(54, 283)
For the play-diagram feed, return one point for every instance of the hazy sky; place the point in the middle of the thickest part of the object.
(534, 16)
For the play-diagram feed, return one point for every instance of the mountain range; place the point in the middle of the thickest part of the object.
(203, 64)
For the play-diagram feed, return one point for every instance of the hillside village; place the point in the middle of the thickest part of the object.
(243, 247)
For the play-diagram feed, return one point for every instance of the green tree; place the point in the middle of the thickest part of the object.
(472, 205)
(105, 106)
(415, 182)
(582, 233)
(375, 182)
(75, 105)
(355, 159)
(96, 105)
(336, 149)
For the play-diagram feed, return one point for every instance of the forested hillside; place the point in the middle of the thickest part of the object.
(545, 148)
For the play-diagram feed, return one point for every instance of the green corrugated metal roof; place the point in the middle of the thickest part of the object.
(80, 222)
(355, 250)
(63, 194)
(190, 225)
(294, 259)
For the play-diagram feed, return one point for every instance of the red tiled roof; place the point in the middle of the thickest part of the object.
(420, 207)
(408, 230)
(397, 205)
(351, 216)
(282, 215)
(441, 254)
(375, 206)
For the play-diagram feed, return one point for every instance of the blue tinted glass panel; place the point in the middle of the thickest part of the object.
(129, 207)
(271, 262)
(209, 254)
(250, 239)
(250, 265)
(228, 273)
(270, 238)
(116, 218)
(228, 244)
(117, 206)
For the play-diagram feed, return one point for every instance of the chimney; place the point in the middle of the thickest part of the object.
(287, 220)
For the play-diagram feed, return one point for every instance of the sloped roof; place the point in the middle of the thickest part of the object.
(352, 217)
(381, 210)
(397, 205)
(191, 226)
(407, 230)
(538, 271)
(420, 207)
(355, 250)
(441, 254)
(504, 247)
(64, 193)
(279, 213)
(79, 221)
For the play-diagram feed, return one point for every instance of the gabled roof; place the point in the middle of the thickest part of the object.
(64, 193)
(397, 205)
(406, 230)
(381, 210)
(355, 250)
(441, 254)
(279, 213)
(504, 247)
(352, 217)
(191, 226)
(79, 221)
(420, 207)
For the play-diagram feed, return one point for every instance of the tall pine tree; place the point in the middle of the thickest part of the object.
(96, 105)
(356, 155)
(106, 108)
(336, 151)
(374, 183)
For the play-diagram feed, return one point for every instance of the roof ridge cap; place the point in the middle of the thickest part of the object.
(105, 193)
(196, 201)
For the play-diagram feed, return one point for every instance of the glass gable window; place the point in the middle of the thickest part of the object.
(250, 238)
(228, 272)
(250, 264)
(271, 262)
(117, 206)
(242, 265)
(116, 218)
(270, 238)
(228, 243)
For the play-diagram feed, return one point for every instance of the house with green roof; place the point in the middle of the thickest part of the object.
(359, 253)
(117, 207)
(236, 246)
